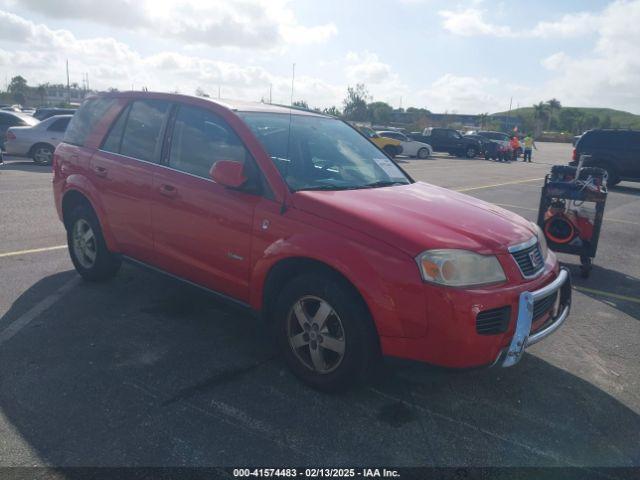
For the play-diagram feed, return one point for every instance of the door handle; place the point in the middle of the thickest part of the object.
(168, 190)
(100, 171)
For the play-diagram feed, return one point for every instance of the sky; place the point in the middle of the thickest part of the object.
(466, 56)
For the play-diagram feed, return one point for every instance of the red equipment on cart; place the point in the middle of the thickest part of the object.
(571, 210)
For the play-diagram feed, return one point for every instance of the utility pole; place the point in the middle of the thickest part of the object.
(509, 114)
(270, 90)
(68, 86)
(219, 92)
(293, 79)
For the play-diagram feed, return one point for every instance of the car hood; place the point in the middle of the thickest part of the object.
(420, 217)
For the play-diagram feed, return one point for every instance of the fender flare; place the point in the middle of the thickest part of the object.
(82, 185)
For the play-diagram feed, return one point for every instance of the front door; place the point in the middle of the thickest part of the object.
(202, 230)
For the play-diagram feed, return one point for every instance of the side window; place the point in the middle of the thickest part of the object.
(114, 137)
(59, 125)
(86, 118)
(142, 136)
(200, 138)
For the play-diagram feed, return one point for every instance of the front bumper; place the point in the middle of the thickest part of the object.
(522, 338)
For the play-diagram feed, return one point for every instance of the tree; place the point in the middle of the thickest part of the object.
(355, 105)
(606, 122)
(380, 112)
(18, 85)
(201, 93)
(333, 111)
(553, 105)
(301, 104)
(42, 92)
(482, 118)
(540, 114)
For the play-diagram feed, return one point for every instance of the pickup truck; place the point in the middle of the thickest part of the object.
(448, 140)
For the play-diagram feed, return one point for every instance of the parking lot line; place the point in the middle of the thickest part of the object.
(515, 182)
(44, 304)
(33, 250)
(626, 298)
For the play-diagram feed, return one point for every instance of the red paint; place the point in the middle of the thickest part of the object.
(215, 236)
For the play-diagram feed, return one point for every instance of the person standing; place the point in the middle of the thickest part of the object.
(529, 145)
(515, 147)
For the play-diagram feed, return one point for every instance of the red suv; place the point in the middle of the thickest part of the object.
(297, 216)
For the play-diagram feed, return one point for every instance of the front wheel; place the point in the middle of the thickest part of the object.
(423, 153)
(325, 332)
(42, 154)
(87, 248)
(471, 152)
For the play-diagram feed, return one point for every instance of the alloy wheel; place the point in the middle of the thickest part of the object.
(316, 335)
(84, 243)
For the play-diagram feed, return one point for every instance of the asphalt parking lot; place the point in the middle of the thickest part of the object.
(146, 371)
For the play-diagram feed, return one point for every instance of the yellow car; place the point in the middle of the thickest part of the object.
(391, 146)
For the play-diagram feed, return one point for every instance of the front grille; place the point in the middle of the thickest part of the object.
(494, 321)
(543, 305)
(529, 260)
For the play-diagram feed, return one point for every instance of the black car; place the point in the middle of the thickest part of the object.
(616, 151)
(44, 113)
(448, 140)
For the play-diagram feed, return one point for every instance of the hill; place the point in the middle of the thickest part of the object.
(576, 119)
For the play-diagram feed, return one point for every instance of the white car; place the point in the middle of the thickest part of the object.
(410, 147)
(37, 141)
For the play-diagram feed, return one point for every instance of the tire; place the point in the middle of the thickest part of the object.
(354, 353)
(87, 248)
(423, 153)
(390, 150)
(612, 176)
(470, 152)
(42, 154)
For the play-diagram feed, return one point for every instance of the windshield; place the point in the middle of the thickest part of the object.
(318, 153)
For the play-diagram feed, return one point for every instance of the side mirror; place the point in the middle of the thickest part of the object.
(228, 173)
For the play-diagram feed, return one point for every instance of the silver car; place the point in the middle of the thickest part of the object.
(37, 141)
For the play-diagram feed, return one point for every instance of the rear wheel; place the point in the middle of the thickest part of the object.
(42, 154)
(325, 332)
(87, 247)
(423, 152)
(612, 176)
(390, 150)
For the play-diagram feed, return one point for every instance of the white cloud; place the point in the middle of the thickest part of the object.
(216, 23)
(462, 94)
(41, 54)
(471, 22)
(366, 68)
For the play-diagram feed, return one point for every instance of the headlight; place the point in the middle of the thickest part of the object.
(541, 240)
(459, 268)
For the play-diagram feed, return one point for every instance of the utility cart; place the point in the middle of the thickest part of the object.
(571, 209)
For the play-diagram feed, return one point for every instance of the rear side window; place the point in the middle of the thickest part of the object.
(143, 131)
(59, 125)
(86, 118)
(200, 138)
(114, 138)
(604, 139)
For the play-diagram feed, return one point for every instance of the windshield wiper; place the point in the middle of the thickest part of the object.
(327, 187)
(383, 183)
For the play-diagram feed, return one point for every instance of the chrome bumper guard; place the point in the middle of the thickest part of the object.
(522, 338)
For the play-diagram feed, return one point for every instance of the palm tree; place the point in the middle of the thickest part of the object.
(540, 114)
(483, 118)
(553, 105)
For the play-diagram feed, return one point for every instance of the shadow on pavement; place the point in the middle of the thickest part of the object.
(144, 371)
(611, 281)
(629, 190)
(24, 165)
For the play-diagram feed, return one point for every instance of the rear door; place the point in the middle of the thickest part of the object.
(202, 230)
(121, 169)
(633, 155)
(55, 131)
